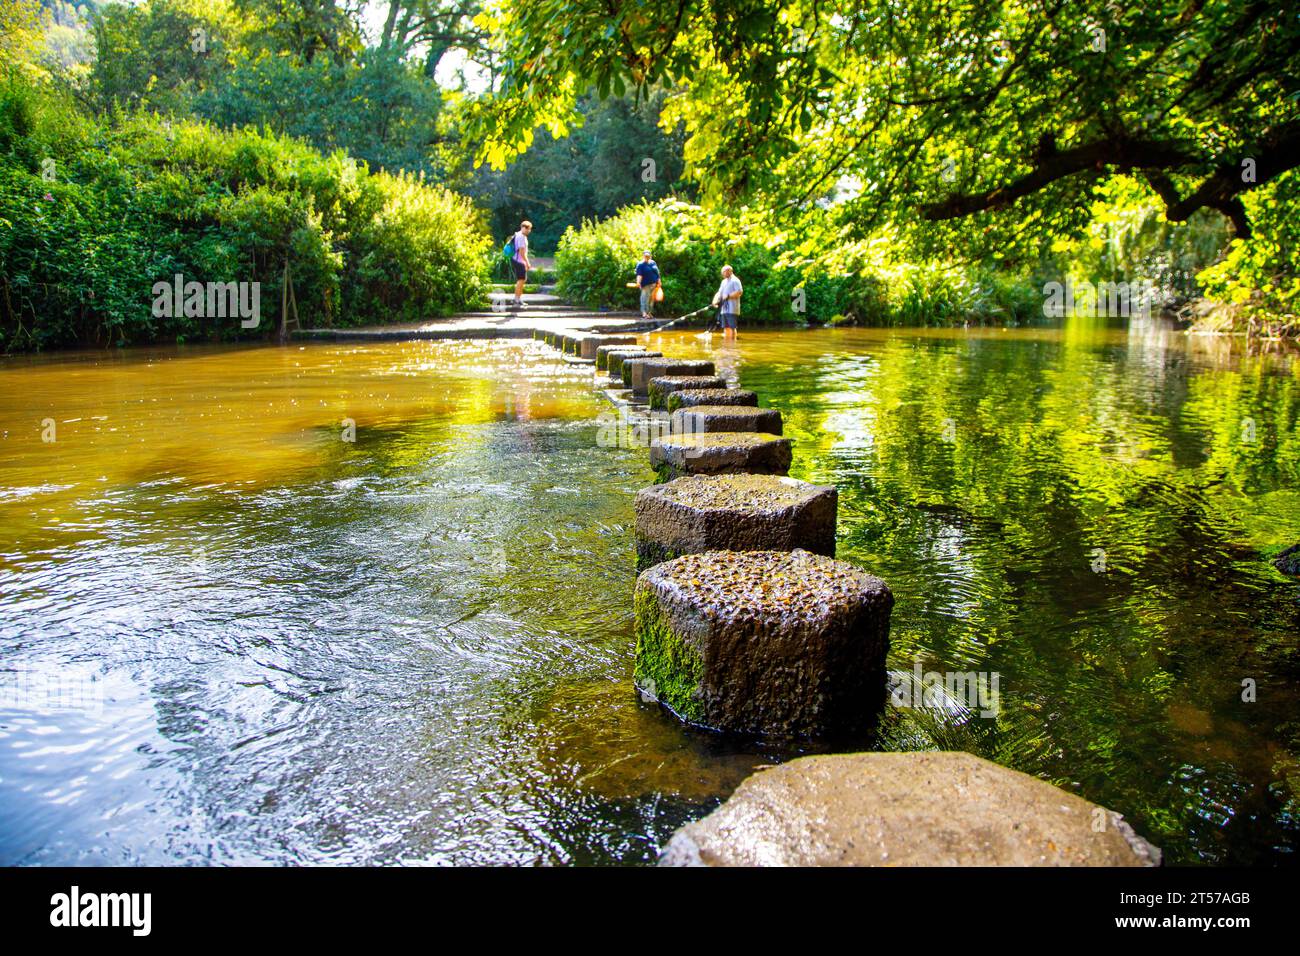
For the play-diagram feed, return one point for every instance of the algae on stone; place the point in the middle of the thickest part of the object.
(664, 385)
(666, 668)
(710, 396)
(783, 644)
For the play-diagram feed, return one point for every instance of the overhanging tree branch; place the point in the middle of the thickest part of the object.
(1277, 151)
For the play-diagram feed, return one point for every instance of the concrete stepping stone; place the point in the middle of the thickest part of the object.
(710, 396)
(733, 513)
(771, 643)
(617, 359)
(663, 386)
(905, 809)
(638, 372)
(726, 418)
(596, 340)
(603, 352)
(718, 453)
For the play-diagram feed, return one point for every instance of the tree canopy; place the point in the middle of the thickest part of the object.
(929, 110)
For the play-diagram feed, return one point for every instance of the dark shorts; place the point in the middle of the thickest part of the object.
(521, 271)
(727, 320)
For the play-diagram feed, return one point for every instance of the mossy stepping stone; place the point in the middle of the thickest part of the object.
(733, 513)
(603, 353)
(594, 341)
(686, 397)
(726, 418)
(720, 453)
(638, 372)
(618, 359)
(771, 643)
(921, 808)
(663, 386)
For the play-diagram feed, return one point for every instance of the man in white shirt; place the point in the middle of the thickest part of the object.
(727, 300)
(520, 263)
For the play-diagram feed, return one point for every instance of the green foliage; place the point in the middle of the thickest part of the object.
(160, 55)
(135, 200)
(380, 109)
(863, 281)
(1258, 282)
(978, 131)
(615, 154)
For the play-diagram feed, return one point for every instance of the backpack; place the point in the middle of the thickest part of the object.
(508, 250)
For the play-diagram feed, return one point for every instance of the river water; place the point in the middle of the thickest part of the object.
(370, 604)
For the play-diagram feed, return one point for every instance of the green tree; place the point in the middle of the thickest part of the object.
(927, 108)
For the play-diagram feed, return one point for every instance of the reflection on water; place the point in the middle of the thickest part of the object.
(230, 635)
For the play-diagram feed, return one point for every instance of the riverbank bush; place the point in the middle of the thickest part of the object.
(95, 211)
(861, 281)
(1256, 287)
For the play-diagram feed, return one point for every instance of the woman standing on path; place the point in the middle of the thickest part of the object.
(647, 280)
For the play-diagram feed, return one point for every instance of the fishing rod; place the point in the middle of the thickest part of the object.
(683, 318)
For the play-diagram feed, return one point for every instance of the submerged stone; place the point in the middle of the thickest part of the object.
(710, 396)
(719, 453)
(663, 386)
(638, 372)
(905, 809)
(1288, 562)
(773, 643)
(618, 359)
(733, 513)
(726, 418)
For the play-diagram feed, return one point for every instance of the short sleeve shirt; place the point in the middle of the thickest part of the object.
(729, 286)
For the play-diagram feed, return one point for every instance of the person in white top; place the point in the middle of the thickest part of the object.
(727, 301)
(520, 262)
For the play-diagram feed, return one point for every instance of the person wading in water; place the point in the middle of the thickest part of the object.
(727, 300)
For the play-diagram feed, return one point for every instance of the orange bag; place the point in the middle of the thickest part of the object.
(659, 292)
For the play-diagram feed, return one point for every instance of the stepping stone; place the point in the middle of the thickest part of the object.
(638, 372)
(718, 453)
(663, 386)
(772, 643)
(726, 418)
(710, 396)
(603, 352)
(594, 341)
(616, 360)
(733, 513)
(920, 808)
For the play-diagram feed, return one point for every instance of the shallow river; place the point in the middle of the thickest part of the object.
(333, 604)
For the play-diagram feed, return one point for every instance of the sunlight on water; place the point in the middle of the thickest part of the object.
(231, 635)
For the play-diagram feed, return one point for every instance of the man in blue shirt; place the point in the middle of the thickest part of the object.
(647, 280)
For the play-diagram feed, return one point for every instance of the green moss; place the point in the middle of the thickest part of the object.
(665, 473)
(649, 553)
(665, 665)
(658, 398)
(627, 375)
